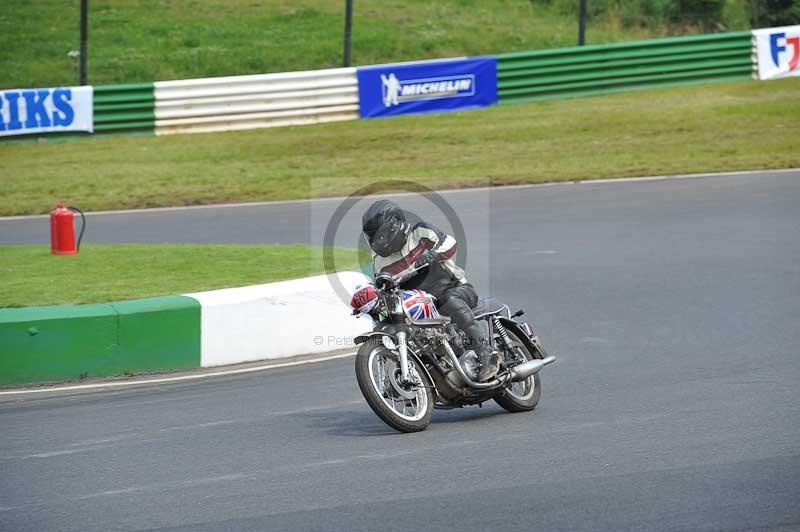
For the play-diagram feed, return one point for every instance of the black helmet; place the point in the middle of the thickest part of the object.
(385, 227)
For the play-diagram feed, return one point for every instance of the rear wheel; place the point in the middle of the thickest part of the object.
(407, 408)
(522, 396)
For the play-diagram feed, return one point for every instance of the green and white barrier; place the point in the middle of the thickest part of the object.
(601, 69)
(250, 102)
(219, 327)
(309, 97)
(124, 108)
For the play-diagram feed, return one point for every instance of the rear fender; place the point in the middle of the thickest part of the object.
(514, 327)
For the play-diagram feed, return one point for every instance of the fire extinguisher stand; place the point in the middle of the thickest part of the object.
(62, 230)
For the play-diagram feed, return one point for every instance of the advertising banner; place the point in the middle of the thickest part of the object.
(25, 111)
(427, 86)
(778, 51)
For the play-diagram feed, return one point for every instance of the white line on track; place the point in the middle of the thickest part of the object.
(401, 194)
(117, 384)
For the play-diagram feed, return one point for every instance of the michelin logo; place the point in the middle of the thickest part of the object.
(397, 91)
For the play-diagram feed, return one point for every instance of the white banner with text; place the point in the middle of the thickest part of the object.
(26, 111)
(778, 51)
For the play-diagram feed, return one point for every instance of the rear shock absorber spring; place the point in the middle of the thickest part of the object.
(501, 330)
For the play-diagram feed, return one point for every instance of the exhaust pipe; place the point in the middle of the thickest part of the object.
(526, 369)
(517, 373)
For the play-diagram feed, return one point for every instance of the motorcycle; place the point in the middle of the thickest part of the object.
(415, 360)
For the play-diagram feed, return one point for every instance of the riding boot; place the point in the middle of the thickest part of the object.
(457, 303)
(488, 357)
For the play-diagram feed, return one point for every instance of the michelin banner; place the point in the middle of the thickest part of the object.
(778, 51)
(427, 86)
(26, 111)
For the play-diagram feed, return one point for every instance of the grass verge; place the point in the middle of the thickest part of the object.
(113, 272)
(716, 127)
(151, 40)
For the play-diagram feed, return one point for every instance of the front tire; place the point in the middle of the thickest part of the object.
(407, 409)
(522, 396)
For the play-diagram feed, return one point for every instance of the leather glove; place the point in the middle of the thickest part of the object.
(429, 257)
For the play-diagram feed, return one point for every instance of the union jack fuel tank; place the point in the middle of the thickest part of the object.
(419, 305)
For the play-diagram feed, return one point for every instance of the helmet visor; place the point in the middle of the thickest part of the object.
(389, 238)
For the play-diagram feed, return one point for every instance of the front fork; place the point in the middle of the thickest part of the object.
(402, 348)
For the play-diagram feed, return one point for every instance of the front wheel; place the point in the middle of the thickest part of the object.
(522, 396)
(407, 408)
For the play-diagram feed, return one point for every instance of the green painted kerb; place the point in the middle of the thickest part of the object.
(70, 341)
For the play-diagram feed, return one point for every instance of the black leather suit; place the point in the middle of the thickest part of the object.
(443, 279)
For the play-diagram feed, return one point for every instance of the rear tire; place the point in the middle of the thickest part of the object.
(374, 366)
(522, 396)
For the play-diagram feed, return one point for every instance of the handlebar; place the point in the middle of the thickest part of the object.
(383, 280)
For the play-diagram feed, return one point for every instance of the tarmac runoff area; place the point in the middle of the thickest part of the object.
(672, 306)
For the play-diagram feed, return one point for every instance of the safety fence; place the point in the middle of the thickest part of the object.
(248, 102)
(228, 103)
(588, 70)
(294, 98)
(124, 107)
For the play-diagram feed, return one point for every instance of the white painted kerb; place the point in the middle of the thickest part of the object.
(277, 320)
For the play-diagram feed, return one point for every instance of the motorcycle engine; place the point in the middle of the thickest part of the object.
(470, 363)
(468, 359)
(458, 339)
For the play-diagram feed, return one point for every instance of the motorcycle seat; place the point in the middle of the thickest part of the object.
(434, 322)
(487, 306)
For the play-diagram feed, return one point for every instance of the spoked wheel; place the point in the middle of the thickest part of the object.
(405, 407)
(522, 396)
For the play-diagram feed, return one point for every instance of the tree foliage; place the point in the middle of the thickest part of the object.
(766, 13)
(679, 16)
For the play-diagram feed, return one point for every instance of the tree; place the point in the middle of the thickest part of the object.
(766, 13)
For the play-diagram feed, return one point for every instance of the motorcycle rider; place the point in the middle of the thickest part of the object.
(399, 246)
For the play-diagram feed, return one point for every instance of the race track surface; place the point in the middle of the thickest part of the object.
(674, 309)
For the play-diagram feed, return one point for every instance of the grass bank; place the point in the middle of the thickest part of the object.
(149, 40)
(716, 127)
(113, 272)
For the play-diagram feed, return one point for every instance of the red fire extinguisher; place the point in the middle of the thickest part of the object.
(62, 230)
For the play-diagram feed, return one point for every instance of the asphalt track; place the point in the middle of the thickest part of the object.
(674, 309)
